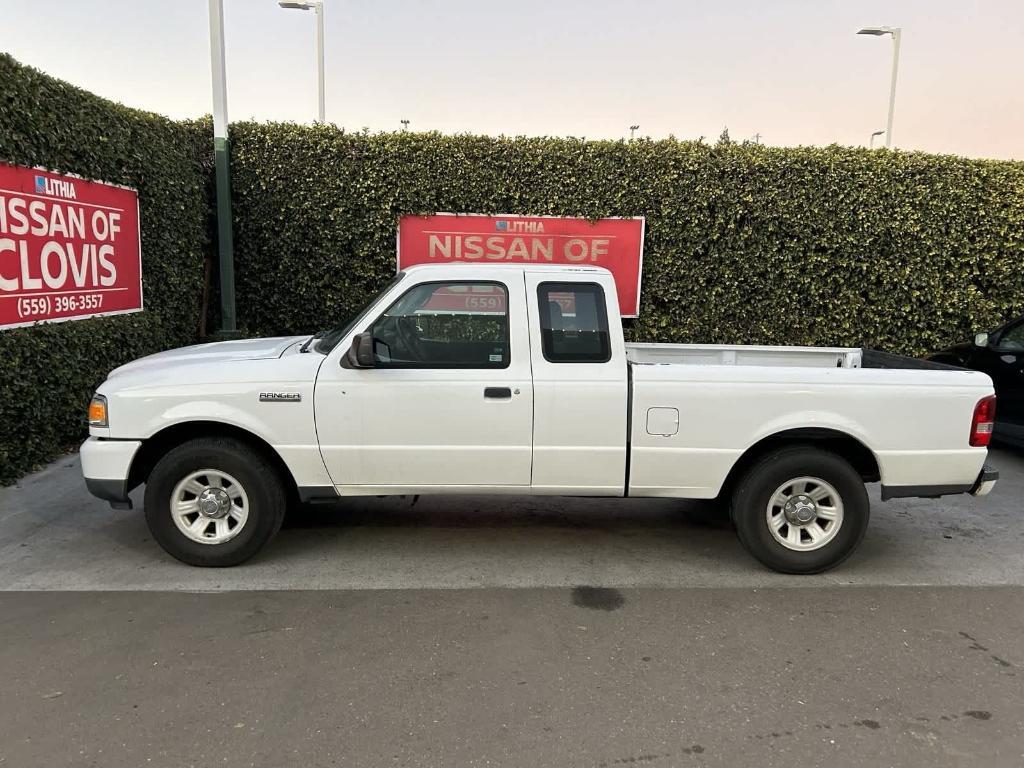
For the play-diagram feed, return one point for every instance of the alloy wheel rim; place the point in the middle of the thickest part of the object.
(804, 514)
(209, 506)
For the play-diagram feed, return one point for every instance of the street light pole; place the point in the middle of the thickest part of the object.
(320, 61)
(892, 84)
(405, 124)
(318, 7)
(896, 33)
(871, 144)
(221, 157)
(632, 131)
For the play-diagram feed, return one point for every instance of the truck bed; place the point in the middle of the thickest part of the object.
(743, 354)
(786, 357)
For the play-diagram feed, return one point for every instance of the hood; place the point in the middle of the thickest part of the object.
(215, 352)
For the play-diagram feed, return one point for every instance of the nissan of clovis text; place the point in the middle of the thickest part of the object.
(516, 379)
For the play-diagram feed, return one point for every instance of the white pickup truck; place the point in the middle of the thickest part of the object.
(501, 379)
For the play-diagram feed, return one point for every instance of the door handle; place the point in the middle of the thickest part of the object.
(498, 393)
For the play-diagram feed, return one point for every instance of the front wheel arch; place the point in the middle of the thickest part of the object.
(167, 439)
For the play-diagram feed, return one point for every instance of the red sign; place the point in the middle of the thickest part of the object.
(616, 244)
(69, 248)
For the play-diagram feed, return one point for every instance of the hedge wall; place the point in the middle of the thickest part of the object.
(902, 251)
(745, 243)
(48, 372)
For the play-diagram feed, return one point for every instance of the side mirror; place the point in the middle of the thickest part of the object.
(360, 354)
(981, 339)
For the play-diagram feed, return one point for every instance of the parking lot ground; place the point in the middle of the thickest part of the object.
(832, 676)
(510, 631)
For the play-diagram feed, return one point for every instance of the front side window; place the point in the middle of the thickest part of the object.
(445, 325)
(573, 323)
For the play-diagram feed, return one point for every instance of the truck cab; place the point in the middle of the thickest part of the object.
(466, 384)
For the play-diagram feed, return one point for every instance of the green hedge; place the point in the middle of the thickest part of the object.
(48, 372)
(745, 243)
(901, 251)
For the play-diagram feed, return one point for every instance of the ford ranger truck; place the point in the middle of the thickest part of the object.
(516, 379)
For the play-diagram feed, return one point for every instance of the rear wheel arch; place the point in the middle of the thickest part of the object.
(160, 443)
(843, 444)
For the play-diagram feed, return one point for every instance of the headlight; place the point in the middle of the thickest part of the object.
(98, 411)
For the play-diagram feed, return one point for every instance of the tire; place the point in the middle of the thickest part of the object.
(248, 508)
(838, 499)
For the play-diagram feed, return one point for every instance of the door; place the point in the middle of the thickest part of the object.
(580, 386)
(450, 399)
(1003, 360)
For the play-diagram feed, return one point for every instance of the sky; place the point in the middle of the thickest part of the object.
(792, 71)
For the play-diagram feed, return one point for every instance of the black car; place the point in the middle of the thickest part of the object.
(1000, 354)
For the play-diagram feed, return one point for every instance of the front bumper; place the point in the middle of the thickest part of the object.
(106, 465)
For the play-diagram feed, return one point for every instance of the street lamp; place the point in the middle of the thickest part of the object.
(405, 124)
(225, 243)
(895, 32)
(632, 131)
(871, 144)
(318, 6)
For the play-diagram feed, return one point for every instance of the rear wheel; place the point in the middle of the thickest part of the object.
(801, 510)
(214, 502)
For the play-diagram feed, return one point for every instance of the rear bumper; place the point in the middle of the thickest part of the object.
(984, 483)
(105, 467)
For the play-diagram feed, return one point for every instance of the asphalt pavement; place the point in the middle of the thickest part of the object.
(510, 632)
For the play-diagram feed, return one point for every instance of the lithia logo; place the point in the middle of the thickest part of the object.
(280, 397)
(55, 187)
(533, 227)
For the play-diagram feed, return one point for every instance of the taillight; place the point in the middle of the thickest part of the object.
(983, 421)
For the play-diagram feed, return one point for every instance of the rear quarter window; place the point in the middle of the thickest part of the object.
(573, 323)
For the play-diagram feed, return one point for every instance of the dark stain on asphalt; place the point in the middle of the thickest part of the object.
(648, 757)
(597, 598)
(978, 714)
(642, 758)
(967, 533)
(976, 646)
(874, 725)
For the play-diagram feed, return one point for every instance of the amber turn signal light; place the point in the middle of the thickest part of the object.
(98, 411)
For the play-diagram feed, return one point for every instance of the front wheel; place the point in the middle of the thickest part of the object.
(214, 502)
(801, 510)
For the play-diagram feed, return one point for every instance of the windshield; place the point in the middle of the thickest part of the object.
(329, 339)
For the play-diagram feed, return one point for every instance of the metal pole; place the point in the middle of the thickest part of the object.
(320, 59)
(892, 87)
(221, 155)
